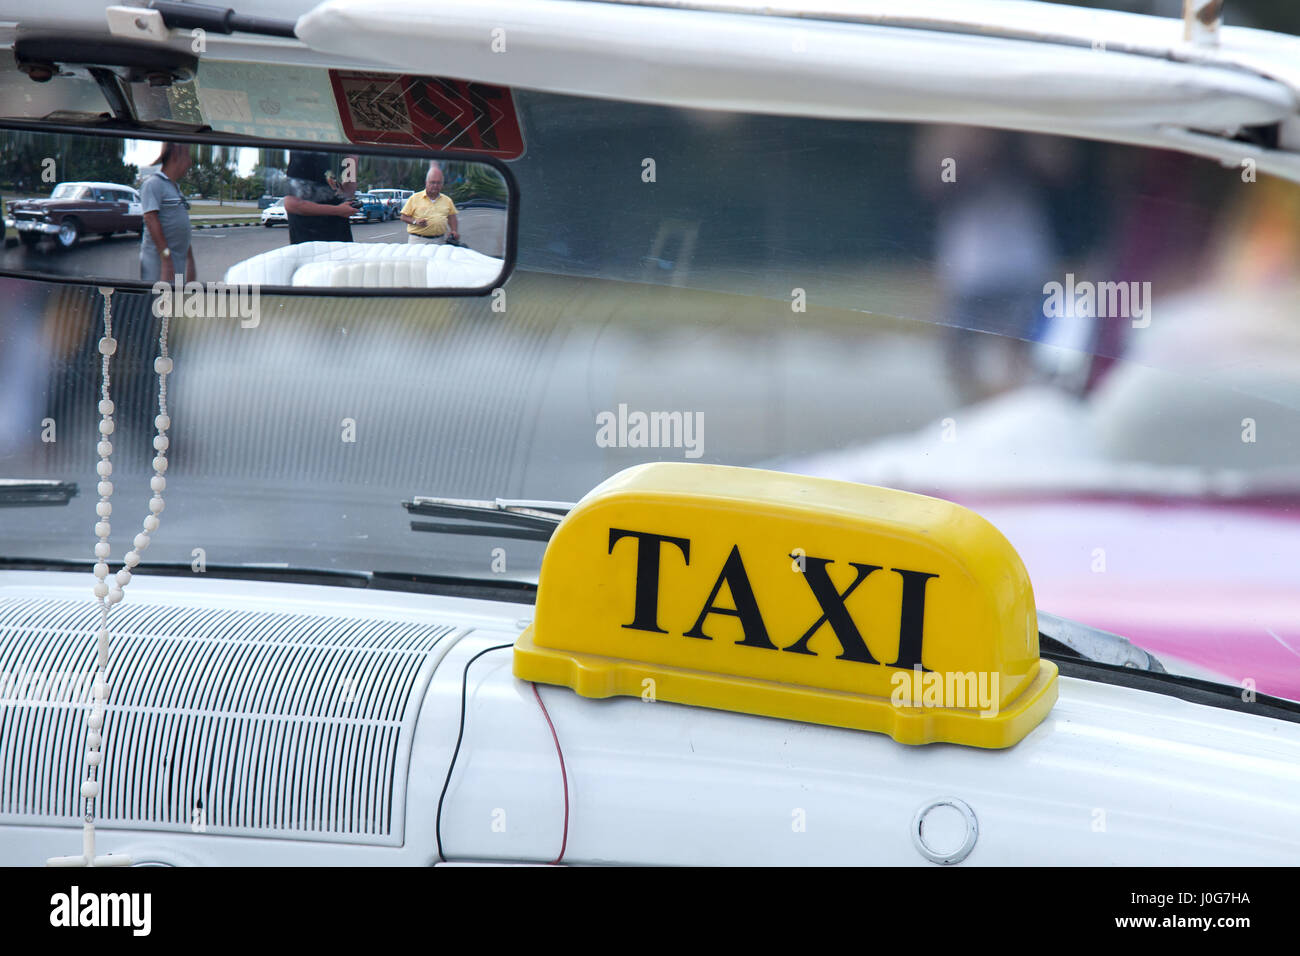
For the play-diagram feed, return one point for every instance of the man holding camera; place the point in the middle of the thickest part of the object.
(317, 206)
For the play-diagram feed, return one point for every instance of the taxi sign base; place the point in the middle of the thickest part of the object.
(591, 675)
(787, 596)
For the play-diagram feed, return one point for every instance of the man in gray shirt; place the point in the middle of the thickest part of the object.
(165, 246)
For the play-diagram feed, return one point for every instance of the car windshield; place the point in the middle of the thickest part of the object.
(1095, 346)
(70, 191)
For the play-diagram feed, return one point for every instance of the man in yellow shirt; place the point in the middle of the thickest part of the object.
(430, 216)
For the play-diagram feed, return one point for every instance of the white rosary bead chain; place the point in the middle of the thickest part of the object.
(107, 594)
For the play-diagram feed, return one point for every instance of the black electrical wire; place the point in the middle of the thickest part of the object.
(460, 735)
(203, 16)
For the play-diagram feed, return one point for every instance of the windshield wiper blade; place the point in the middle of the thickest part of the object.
(537, 520)
(22, 492)
(1093, 644)
(528, 519)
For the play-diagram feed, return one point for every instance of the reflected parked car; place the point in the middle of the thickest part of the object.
(393, 199)
(373, 209)
(74, 210)
(275, 213)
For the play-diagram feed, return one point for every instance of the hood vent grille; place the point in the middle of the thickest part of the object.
(219, 721)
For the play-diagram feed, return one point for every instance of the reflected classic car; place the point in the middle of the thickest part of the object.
(74, 210)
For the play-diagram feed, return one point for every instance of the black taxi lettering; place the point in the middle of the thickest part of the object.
(831, 601)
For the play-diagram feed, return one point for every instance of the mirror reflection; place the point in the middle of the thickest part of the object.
(135, 210)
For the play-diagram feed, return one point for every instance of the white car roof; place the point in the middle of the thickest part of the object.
(95, 185)
(1013, 64)
(1041, 67)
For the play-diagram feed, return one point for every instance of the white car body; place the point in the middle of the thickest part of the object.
(394, 199)
(275, 213)
(362, 725)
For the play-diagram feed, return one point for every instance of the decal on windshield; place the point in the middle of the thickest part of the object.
(268, 100)
(427, 112)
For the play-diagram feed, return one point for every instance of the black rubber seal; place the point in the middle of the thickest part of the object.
(1191, 689)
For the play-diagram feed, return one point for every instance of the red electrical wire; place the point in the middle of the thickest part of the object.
(564, 776)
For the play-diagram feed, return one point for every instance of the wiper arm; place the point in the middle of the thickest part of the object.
(1093, 644)
(21, 492)
(527, 519)
(536, 521)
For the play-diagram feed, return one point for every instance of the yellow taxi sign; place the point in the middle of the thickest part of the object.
(785, 596)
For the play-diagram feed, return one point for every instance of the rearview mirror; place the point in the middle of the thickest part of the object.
(128, 211)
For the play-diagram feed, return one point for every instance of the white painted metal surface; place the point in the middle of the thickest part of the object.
(1020, 66)
(1115, 30)
(1112, 776)
(1040, 67)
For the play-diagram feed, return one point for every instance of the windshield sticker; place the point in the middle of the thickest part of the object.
(273, 102)
(427, 112)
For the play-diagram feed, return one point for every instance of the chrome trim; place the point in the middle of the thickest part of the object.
(946, 858)
(1097, 645)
